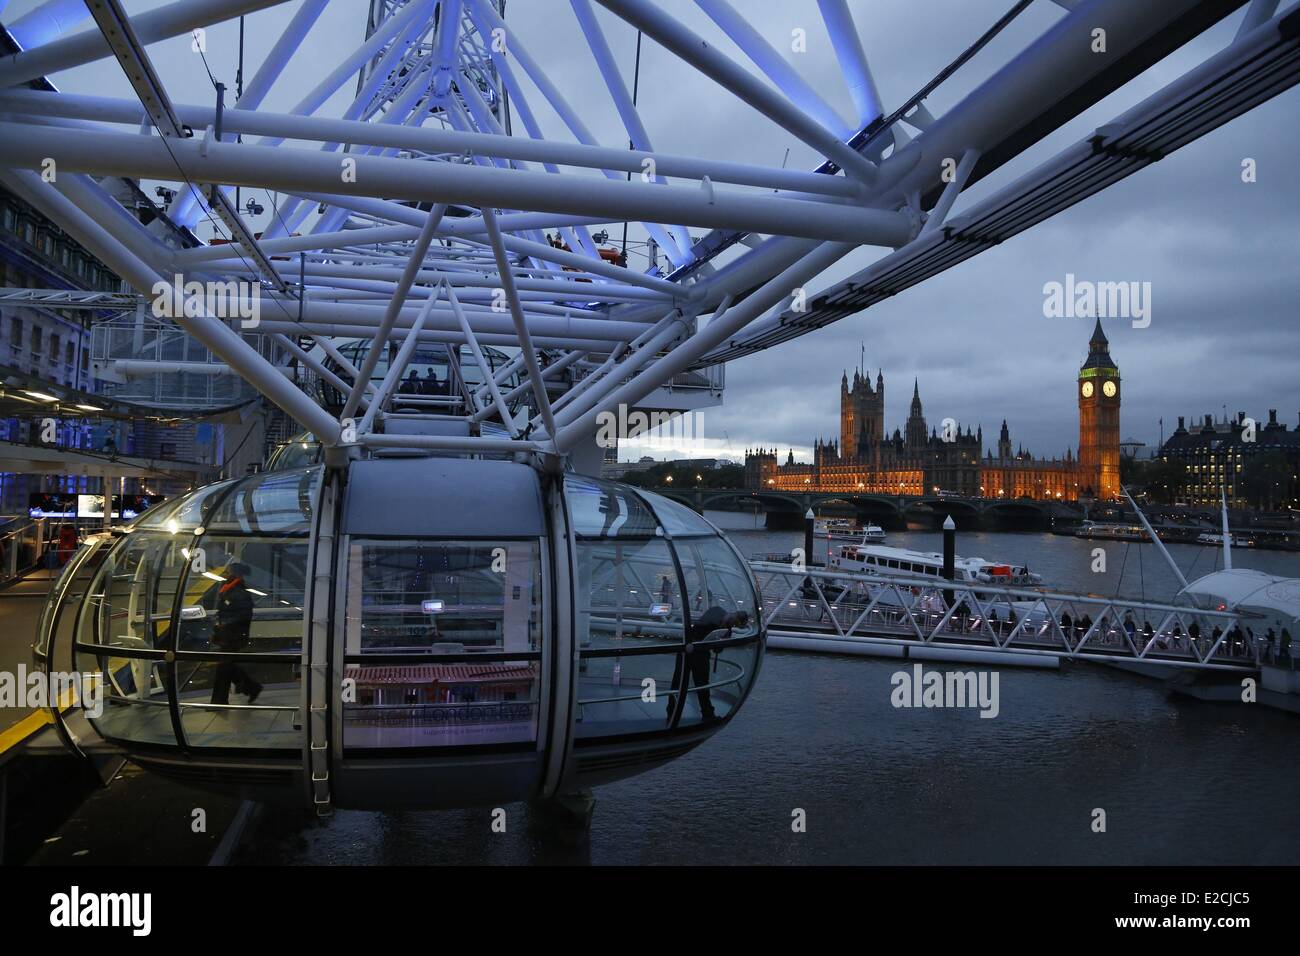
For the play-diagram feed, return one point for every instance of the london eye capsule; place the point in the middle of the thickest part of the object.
(404, 632)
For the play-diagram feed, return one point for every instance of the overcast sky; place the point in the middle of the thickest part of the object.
(1221, 255)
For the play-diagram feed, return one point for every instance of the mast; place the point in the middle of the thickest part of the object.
(1158, 543)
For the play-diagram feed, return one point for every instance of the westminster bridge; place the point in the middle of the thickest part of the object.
(786, 509)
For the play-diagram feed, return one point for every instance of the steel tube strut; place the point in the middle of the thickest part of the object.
(222, 340)
(521, 324)
(107, 109)
(713, 64)
(394, 309)
(286, 169)
(87, 46)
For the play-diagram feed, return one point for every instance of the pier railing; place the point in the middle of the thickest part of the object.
(854, 607)
(23, 542)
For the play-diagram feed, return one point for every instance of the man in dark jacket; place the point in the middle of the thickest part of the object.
(230, 634)
(698, 655)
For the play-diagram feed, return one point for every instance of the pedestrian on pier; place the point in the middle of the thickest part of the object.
(1235, 639)
(1172, 638)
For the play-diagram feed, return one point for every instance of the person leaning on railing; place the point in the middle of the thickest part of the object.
(698, 655)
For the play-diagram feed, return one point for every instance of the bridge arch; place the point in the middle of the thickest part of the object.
(1021, 513)
(881, 509)
(965, 512)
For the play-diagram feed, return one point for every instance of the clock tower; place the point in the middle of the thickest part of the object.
(1099, 396)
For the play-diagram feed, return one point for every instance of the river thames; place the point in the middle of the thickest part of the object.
(1181, 781)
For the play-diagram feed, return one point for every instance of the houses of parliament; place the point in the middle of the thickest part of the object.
(920, 459)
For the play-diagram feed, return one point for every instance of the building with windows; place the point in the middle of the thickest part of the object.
(1256, 465)
(921, 459)
(36, 254)
(46, 346)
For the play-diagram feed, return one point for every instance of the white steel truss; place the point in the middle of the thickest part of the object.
(857, 607)
(438, 205)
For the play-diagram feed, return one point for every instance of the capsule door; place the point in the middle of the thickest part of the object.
(440, 670)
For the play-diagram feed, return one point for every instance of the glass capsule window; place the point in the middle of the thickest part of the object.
(667, 624)
(193, 622)
(443, 644)
(298, 452)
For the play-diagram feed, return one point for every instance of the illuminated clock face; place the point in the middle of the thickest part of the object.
(1087, 389)
(1109, 389)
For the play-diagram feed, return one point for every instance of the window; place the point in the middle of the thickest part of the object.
(203, 624)
(469, 613)
(36, 341)
(650, 572)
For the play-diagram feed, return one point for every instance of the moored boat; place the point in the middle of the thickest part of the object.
(842, 529)
(902, 562)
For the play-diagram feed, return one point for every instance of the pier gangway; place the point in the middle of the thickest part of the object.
(816, 609)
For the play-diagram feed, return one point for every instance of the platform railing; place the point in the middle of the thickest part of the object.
(854, 606)
(23, 543)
